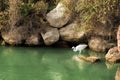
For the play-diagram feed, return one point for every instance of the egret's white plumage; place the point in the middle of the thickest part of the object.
(79, 47)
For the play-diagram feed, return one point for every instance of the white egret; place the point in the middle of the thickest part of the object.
(79, 47)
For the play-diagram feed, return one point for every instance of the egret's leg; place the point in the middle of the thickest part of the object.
(79, 52)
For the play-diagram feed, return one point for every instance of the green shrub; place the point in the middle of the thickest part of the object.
(3, 19)
(25, 8)
(3, 4)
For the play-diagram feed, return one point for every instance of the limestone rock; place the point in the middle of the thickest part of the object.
(22, 35)
(12, 37)
(113, 55)
(50, 35)
(59, 16)
(99, 45)
(33, 40)
(71, 33)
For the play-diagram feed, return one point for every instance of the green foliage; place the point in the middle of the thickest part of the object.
(3, 4)
(25, 8)
(3, 19)
(38, 7)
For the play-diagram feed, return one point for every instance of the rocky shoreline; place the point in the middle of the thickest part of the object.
(59, 28)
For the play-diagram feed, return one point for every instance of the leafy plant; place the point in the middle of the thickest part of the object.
(25, 8)
(3, 4)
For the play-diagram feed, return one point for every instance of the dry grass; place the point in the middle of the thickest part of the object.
(40, 7)
(14, 12)
(90, 12)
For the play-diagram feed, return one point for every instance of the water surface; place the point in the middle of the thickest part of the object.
(28, 63)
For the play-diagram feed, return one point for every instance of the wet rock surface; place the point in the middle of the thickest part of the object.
(90, 58)
(86, 58)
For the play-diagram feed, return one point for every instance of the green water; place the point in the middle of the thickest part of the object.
(17, 63)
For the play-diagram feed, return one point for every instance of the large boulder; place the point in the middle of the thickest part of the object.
(13, 36)
(99, 44)
(59, 16)
(50, 35)
(71, 32)
(113, 55)
(22, 35)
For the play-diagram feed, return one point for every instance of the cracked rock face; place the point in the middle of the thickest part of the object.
(50, 35)
(13, 37)
(21, 35)
(70, 33)
(113, 55)
(59, 16)
(34, 39)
